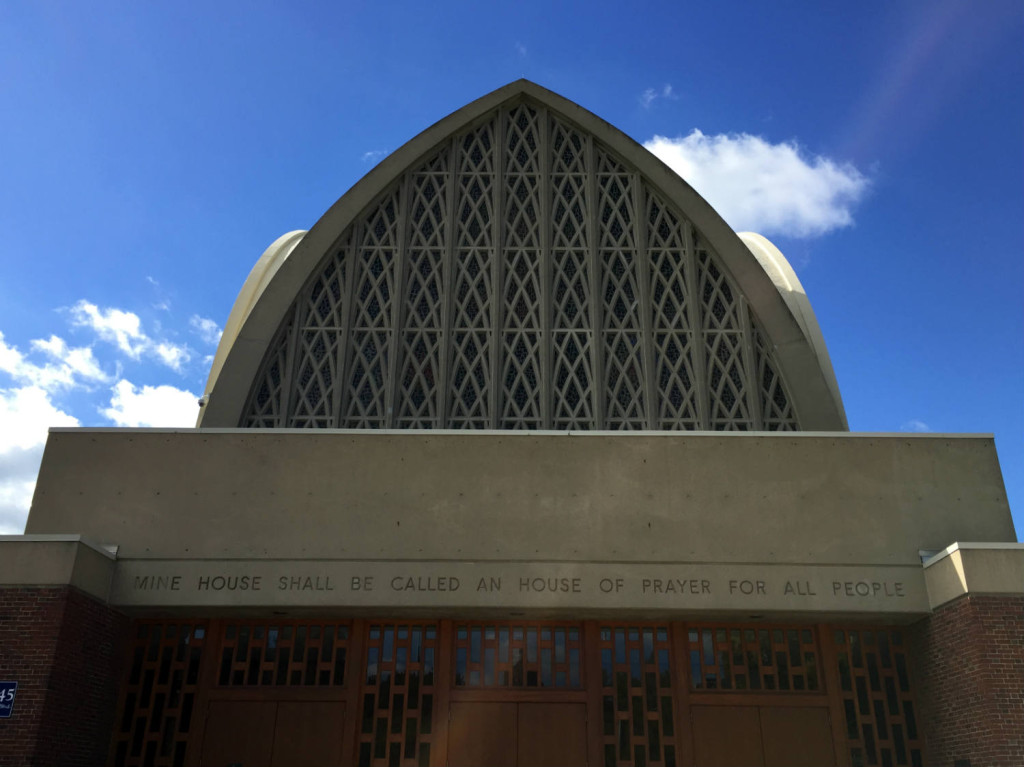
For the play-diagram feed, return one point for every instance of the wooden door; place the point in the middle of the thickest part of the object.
(797, 737)
(482, 733)
(517, 734)
(308, 734)
(552, 735)
(238, 734)
(727, 736)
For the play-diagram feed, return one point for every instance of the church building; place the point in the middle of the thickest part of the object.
(519, 456)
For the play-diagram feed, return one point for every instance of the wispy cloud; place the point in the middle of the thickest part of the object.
(915, 425)
(521, 49)
(123, 329)
(151, 406)
(163, 302)
(65, 366)
(374, 155)
(773, 189)
(650, 95)
(206, 329)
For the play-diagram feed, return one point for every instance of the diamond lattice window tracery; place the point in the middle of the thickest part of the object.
(522, 276)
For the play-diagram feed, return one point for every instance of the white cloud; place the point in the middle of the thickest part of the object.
(163, 405)
(773, 189)
(79, 361)
(172, 355)
(520, 49)
(206, 329)
(915, 425)
(26, 413)
(69, 366)
(16, 489)
(124, 330)
(650, 95)
(374, 155)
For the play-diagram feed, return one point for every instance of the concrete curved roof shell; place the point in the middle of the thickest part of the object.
(757, 268)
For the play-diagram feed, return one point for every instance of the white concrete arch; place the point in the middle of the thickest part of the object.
(758, 270)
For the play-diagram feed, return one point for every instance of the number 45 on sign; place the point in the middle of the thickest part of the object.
(7, 690)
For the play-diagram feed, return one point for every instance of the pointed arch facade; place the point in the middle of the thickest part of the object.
(521, 265)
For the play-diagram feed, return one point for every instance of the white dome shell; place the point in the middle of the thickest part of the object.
(778, 268)
(252, 290)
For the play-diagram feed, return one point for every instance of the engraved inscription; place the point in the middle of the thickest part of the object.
(705, 586)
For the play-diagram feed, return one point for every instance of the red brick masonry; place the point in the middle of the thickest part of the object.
(65, 651)
(969, 669)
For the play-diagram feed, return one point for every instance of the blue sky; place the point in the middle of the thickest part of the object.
(150, 152)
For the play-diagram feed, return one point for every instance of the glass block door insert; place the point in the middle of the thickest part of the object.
(636, 696)
(397, 720)
(881, 719)
(155, 719)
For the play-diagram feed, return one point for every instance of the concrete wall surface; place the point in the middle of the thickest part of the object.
(979, 569)
(653, 497)
(55, 560)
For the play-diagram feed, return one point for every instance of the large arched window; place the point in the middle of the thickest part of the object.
(522, 277)
(521, 270)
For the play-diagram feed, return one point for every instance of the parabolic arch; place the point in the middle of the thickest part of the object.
(522, 264)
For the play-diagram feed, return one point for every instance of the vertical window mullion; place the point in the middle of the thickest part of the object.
(753, 388)
(397, 343)
(696, 322)
(596, 304)
(495, 295)
(447, 287)
(643, 288)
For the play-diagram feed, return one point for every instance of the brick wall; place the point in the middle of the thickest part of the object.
(65, 651)
(969, 672)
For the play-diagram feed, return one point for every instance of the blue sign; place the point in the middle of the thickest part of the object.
(7, 690)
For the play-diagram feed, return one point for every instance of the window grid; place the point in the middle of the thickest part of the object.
(775, 404)
(881, 722)
(397, 722)
(288, 654)
(419, 375)
(370, 346)
(751, 659)
(265, 409)
(518, 656)
(636, 696)
(521, 277)
(318, 342)
(155, 719)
